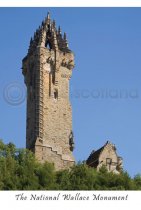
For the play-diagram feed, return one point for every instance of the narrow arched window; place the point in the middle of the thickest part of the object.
(55, 94)
(48, 45)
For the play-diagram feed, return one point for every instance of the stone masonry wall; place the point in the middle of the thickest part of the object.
(110, 153)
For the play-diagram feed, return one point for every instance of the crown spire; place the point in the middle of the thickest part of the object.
(48, 31)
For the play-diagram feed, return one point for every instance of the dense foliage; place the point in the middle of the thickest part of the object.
(20, 171)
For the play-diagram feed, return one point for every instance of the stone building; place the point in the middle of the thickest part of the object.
(47, 69)
(107, 156)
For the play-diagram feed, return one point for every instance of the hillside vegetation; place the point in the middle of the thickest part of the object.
(19, 170)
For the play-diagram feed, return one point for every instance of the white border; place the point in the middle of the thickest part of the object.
(8, 200)
(70, 3)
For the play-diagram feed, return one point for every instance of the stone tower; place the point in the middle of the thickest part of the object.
(47, 69)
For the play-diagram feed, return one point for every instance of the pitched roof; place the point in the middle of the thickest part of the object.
(93, 159)
(94, 156)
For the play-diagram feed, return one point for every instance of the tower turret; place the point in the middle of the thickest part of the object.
(47, 69)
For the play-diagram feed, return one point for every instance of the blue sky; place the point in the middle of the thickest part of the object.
(106, 81)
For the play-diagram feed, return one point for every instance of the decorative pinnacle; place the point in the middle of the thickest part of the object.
(59, 30)
(48, 16)
(65, 39)
(42, 23)
(37, 31)
(54, 24)
(65, 36)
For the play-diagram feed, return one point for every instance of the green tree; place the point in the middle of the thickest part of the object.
(63, 180)
(46, 176)
(137, 182)
(82, 177)
(26, 167)
(19, 170)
